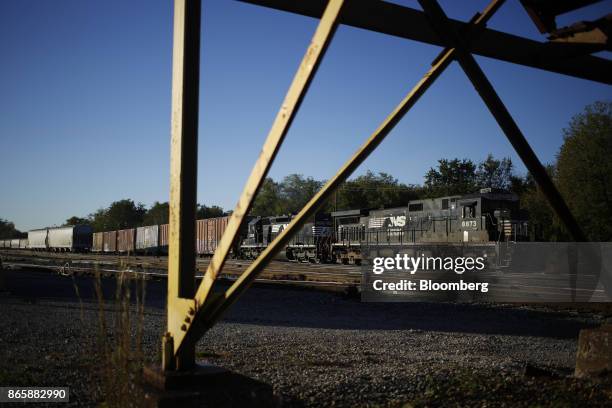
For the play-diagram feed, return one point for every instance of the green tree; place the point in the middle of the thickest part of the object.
(119, 215)
(8, 230)
(584, 169)
(158, 214)
(98, 220)
(295, 191)
(125, 214)
(374, 191)
(544, 225)
(451, 177)
(267, 201)
(209, 212)
(74, 220)
(492, 173)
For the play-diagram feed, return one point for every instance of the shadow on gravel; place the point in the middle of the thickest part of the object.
(291, 307)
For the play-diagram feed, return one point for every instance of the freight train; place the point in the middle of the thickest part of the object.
(485, 218)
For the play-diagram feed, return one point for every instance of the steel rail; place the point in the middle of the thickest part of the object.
(212, 311)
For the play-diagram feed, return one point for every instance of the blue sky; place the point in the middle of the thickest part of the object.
(85, 101)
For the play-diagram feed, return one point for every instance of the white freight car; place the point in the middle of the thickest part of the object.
(147, 238)
(70, 238)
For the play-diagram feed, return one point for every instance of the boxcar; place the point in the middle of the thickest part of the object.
(164, 236)
(209, 233)
(23, 243)
(126, 240)
(97, 242)
(15, 243)
(110, 241)
(38, 239)
(70, 238)
(147, 238)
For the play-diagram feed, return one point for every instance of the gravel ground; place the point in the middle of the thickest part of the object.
(320, 349)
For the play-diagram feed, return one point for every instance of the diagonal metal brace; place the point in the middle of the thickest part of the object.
(303, 77)
(213, 310)
(479, 80)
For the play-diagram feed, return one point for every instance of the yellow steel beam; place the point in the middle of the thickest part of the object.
(213, 310)
(183, 176)
(303, 77)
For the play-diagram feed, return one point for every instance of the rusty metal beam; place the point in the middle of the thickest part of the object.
(183, 175)
(504, 119)
(214, 309)
(405, 22)
(544, 12)
(303, 77)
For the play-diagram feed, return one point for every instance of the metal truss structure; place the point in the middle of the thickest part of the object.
(192, 311)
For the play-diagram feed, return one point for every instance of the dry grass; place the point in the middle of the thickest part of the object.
(117, 344)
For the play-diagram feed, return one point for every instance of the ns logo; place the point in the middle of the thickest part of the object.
(397, 221)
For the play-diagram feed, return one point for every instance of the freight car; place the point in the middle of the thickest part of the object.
(110, 241)
(76, 238)
(37, 239)
(126, 240)
(209, 232)
(15, 243)
(147, 239)
(164, 238)
(97, 244)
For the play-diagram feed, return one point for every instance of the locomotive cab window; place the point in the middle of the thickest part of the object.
(415, 207)
(468, 211)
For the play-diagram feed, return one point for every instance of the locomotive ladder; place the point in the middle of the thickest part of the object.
(191, 311)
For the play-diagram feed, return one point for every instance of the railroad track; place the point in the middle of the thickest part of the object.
(334, 276)
(508, 286)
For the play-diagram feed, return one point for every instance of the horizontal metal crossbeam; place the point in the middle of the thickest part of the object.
(405, 22)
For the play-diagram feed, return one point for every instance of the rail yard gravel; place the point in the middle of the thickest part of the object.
(315, 348)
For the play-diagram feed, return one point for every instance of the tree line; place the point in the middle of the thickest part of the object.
(126, 213)
(582, 172)
(382, 190)
(8, 230)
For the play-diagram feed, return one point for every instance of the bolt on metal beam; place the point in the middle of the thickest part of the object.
(301, 81)
(479, 80)
(183, 175)
(213, 310)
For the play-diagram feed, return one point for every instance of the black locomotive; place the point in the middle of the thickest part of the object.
(483, 218)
